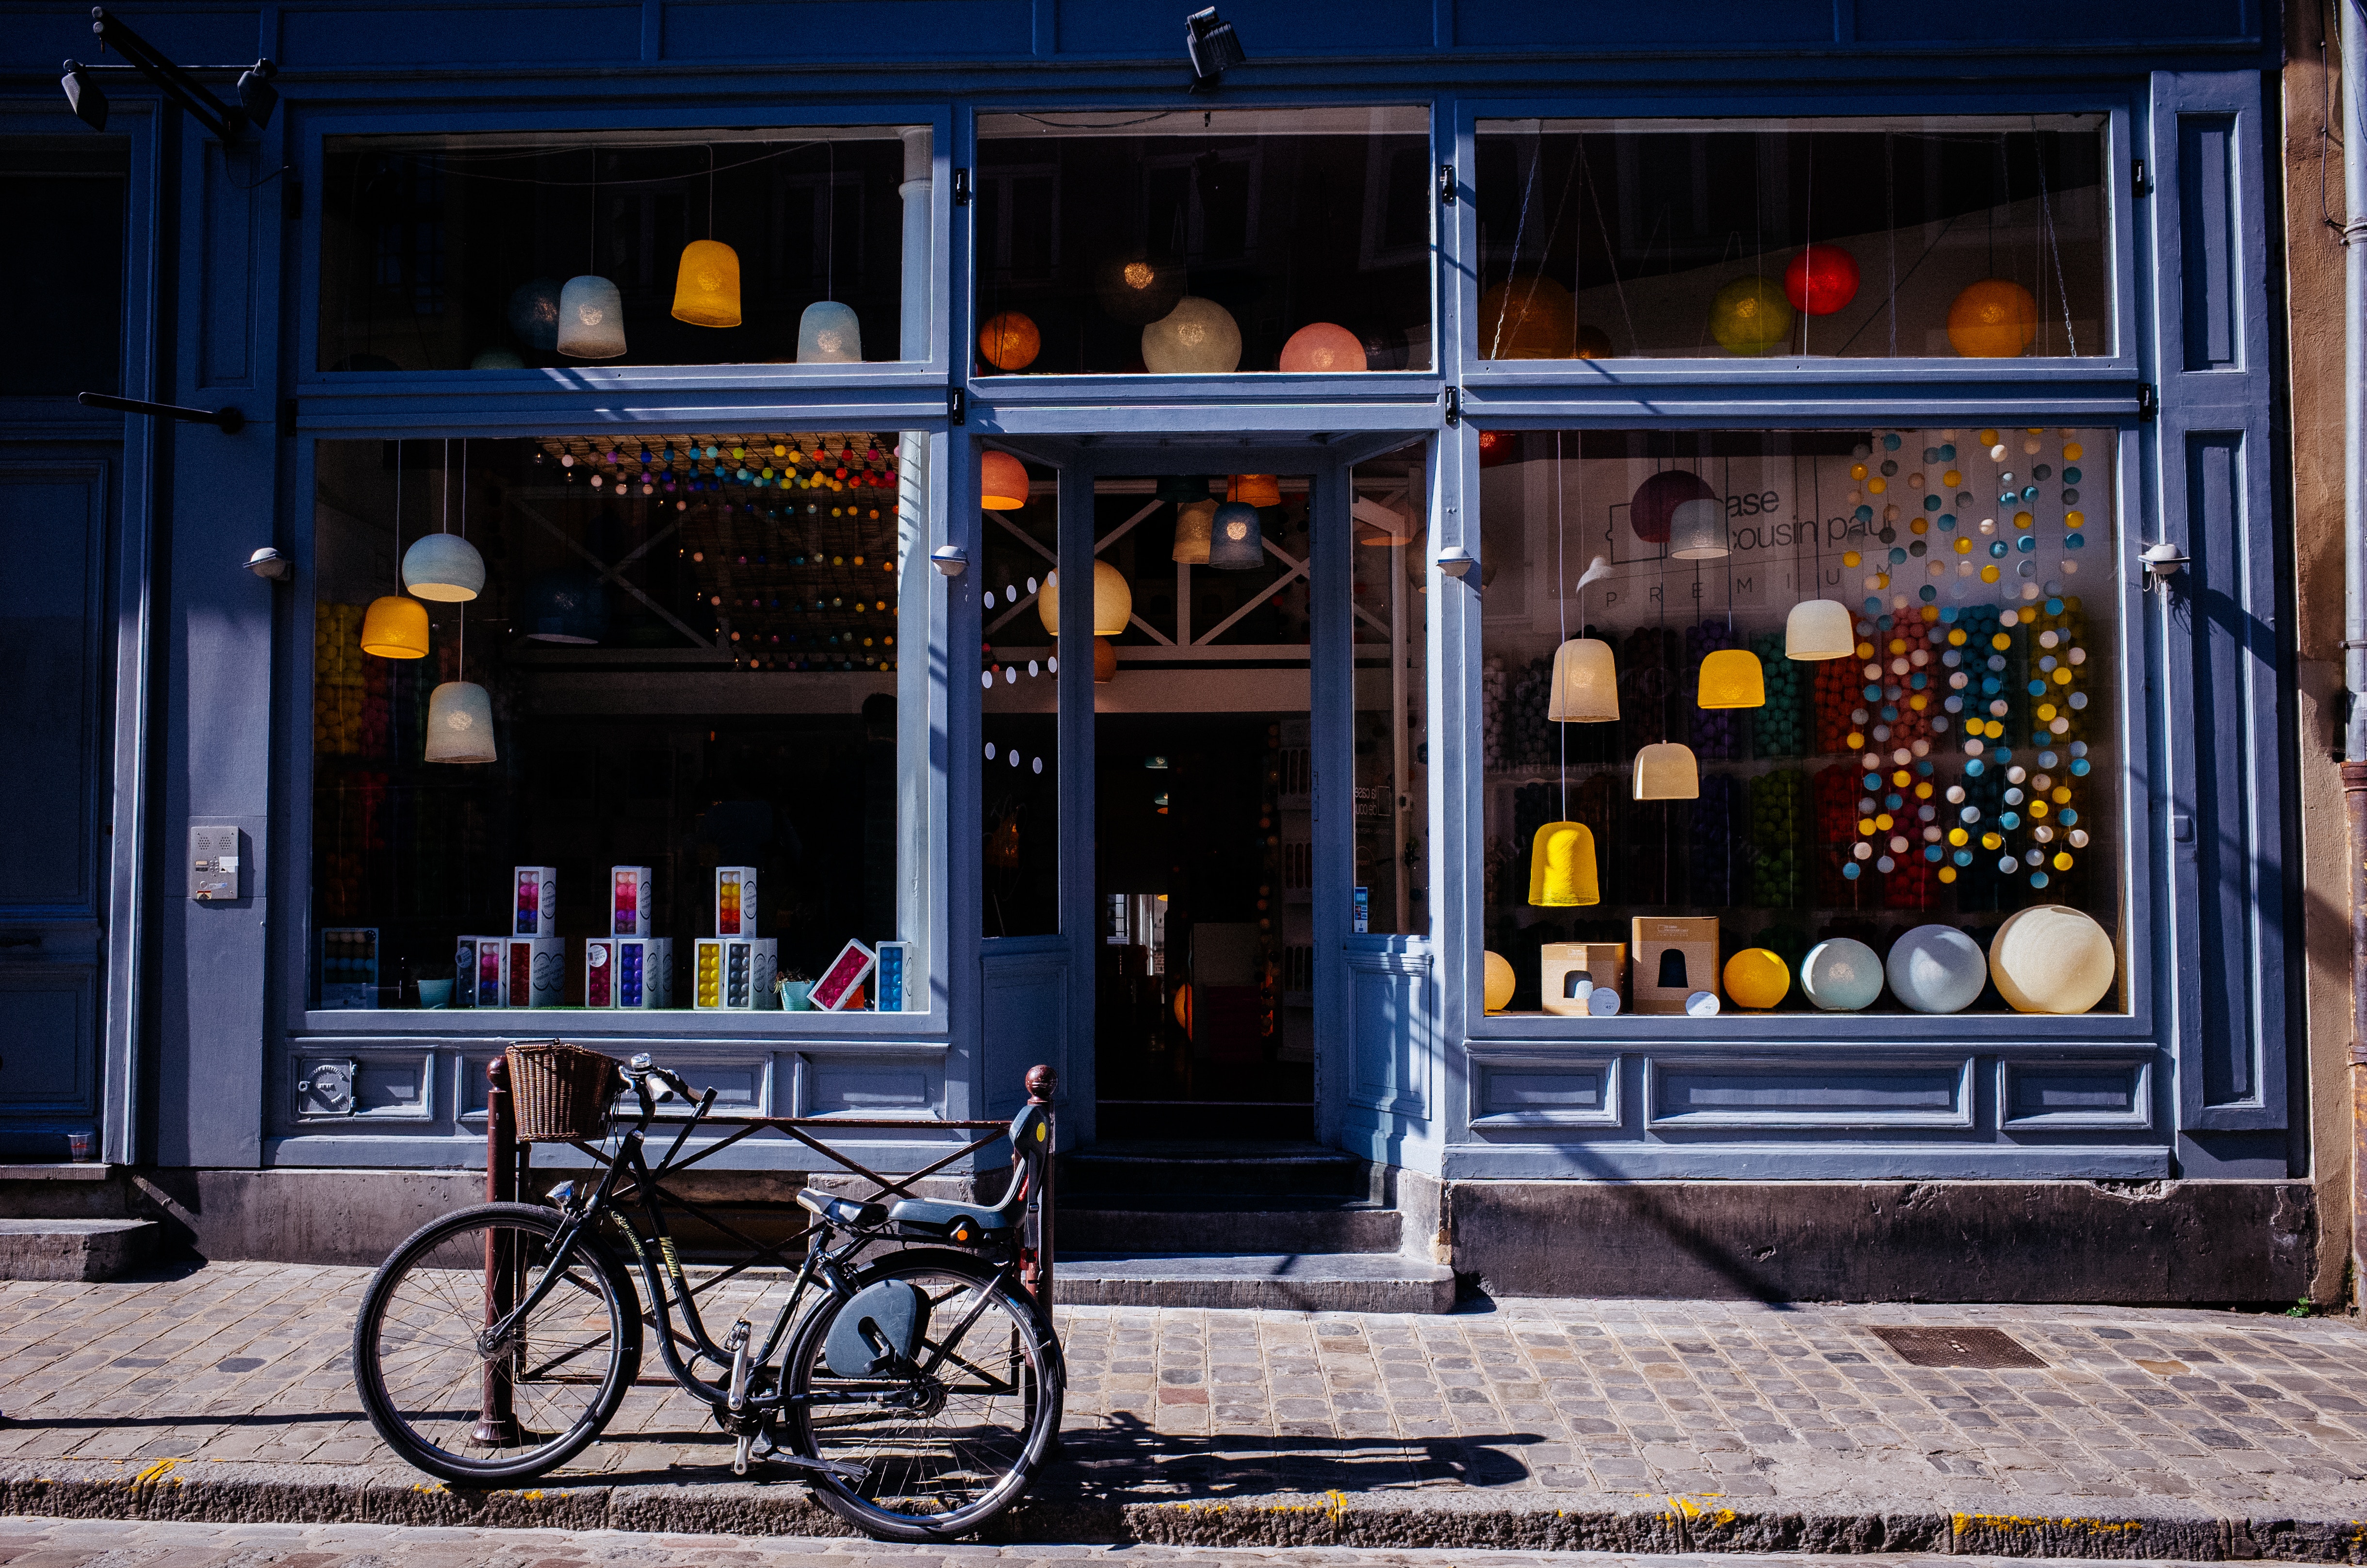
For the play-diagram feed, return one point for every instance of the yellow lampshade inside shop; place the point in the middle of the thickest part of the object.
(707, 286)
(1113, 608)
(1731, 677)
(395, 627)
(1561, 867)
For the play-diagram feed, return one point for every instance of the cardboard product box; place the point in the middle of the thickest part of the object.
(477, 967)
(632, 897)
(644, 976)
(349, 966)
(534, 972)
(1674, 956)
(535, 892)
(1560, 963)
(600, 973)
(734, 974)
(735, 901)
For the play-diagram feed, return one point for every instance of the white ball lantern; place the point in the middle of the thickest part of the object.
(1197, 338)
(2051, 958)
(1842, 975)
(1936, 968)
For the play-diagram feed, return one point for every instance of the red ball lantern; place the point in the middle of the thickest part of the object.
(1821, 279)
(1498, 447)
(1656, 501)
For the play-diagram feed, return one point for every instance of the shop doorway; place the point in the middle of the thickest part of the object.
(1205, 1021)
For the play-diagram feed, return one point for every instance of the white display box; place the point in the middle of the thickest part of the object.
(534, 897)
(631, 894)
(734, 974)
(735, 901)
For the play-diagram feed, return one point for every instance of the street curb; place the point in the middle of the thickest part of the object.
(221, 1493)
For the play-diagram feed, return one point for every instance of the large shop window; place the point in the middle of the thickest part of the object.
(489, 253)
(1203, 242)
(612, 723)
(1972, 237)
(1802, 721)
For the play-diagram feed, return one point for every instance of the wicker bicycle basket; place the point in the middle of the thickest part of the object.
(559, 1090)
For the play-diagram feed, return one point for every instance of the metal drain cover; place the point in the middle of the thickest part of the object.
(1956, 1347)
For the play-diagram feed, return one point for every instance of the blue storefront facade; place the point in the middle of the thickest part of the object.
(707, 359)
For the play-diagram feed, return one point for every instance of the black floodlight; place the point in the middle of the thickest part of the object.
(83, 97)
(257, 95)
(1214, 45)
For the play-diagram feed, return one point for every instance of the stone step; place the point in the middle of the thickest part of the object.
(1120, 1223)
(1186, 1169)
(1323, 1282)
(75, 1249)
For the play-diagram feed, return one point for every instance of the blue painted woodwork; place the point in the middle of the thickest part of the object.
(1411, 1071)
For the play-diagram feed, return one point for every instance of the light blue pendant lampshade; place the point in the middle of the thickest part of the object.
(828, 334)
(566, 607)
(591, 319)
(460, 724)
(444, 567)
(1236, 543)
(534, 313)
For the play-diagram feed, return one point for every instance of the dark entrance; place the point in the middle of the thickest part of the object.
(1204, 1028)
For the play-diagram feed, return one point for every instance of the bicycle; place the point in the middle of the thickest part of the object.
(917, 1395)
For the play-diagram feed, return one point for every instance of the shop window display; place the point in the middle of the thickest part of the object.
(613, 722)
(1203, 242)
(1934, 237)
(482, 253)
(1802, 720)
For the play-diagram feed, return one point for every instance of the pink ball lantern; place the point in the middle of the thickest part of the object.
(1321, 347)
(1821, 279)
(1655, 505)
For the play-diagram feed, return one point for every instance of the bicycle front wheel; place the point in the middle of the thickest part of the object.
(459, 1405)
(948, 1443)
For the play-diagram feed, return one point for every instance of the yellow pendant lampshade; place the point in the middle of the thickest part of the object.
(1496, 984)
(1002, 482)
(1113, 601)
(1195, 524)
(707, 287)
(1585, 682)
(1818, 629)
(1666, 772)
(1561, 867)
(395, 627)
(1255, 490)
(1730, 677)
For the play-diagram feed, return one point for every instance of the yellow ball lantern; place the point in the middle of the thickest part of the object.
(1113, 601)
(1757, 979)
(1561, 867)
(1497, 987)
(2051, 958)
(1528, 318)
(1750, 316)
(707, 288)
(395, 627)
(1010, 341)
(1995, 319)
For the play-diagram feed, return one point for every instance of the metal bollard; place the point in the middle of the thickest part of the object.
(496, 1419)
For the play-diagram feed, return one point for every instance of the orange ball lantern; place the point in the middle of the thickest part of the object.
(1498, 447)
(1527, 318)
(1002, 482)
(1821, 279)
(1010, 341)
(1321, 346)
(1995, 319)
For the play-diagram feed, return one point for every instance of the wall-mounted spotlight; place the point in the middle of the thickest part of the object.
(269, 564)
(950, 560)
(257, 96)
(1456, 561)
(2163, 561)
(1214, 47)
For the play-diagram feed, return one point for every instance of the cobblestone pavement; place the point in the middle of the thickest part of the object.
(108, 1543)
(1620, 1399)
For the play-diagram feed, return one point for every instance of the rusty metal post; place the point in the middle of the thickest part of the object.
(496, 1418)
(1041, 1082)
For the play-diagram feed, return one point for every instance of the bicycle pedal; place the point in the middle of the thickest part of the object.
(739, 1454)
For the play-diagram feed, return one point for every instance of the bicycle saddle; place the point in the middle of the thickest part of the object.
(842, 1211)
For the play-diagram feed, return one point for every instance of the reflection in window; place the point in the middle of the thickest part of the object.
(1793, 690)
(591, 705)
(1940, 237)
(450, 253)
(1203, 242)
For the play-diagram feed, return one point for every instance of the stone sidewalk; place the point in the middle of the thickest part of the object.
(223, 1393)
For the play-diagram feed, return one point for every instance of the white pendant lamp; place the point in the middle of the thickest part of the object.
(1666, 772)
(443, 567)
(828, 334)
(460, 724)
(1195, 524)
(591, 319)
(1585, 682)
(1697, 531)
(1818, 629)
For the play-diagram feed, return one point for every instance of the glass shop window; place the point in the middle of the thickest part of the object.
(1203, 242)
(609, 723)
(489, 253)
(1802, 721)
(1019, 702)
(1971, 237)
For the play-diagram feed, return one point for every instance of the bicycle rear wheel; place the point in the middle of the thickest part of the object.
(950, 1445)
(470, 1412)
